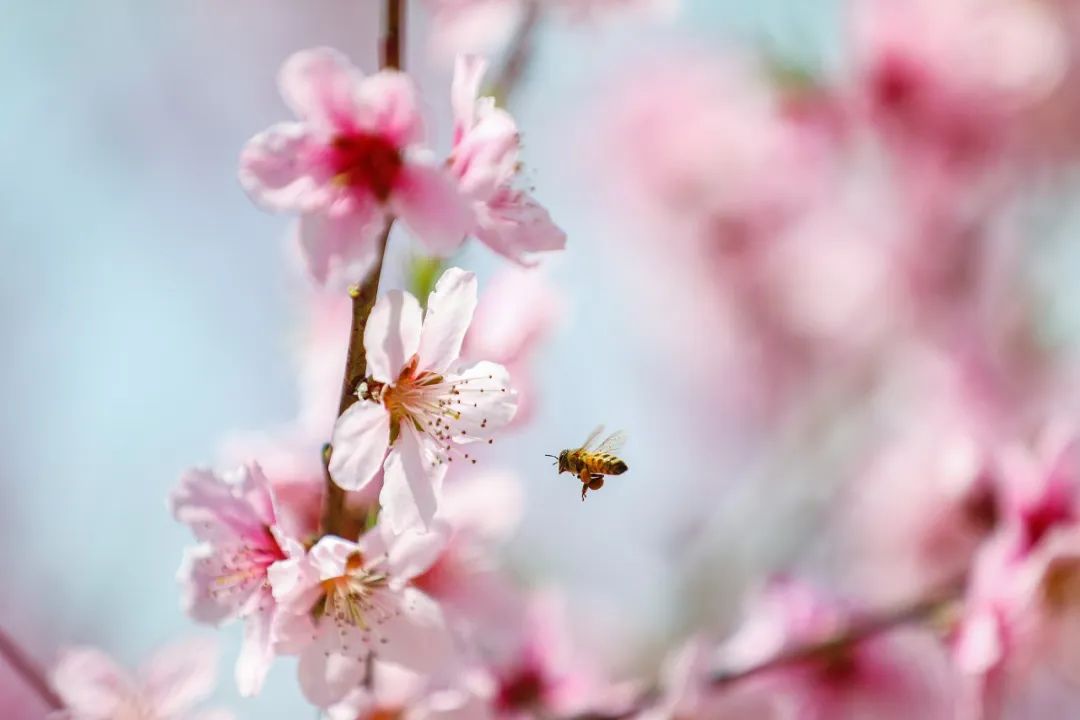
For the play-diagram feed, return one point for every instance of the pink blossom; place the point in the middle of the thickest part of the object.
(403, 695)
(541, 672)
(1022, 612)
(896, 675)
(418, 406)
(224, 577)
(477, 514)
(485, 160)
(515, 315)
(176, 679)
(345, 602)
(351, 161)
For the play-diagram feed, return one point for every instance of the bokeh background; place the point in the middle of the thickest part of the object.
(148, 311)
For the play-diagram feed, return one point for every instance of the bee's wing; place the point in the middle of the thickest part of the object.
(592, 437)
(613, 443)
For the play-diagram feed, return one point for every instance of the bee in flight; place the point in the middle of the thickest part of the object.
(589, 464)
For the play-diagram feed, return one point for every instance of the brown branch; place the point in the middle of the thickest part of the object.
(29, 671)
(336, 519)
(922, 610)
(519, 55)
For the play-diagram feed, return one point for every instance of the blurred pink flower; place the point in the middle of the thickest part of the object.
(346, 601)
(417, 405)
(225, 576)
(1022, 612)
(538, 671)
(398, 694)
(176, 679)
(515, 315)
(477, 514)
(350, 162)
(485, 160)
(895, 675)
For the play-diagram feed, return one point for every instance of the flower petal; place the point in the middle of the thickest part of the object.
(450, 309)
(274, 167)
(330, 555)
(429, 202)
(417, 637)
(359, 444)
(320, 85)
(214, 508)
(469, 72)
(340, 248)
(387, 106)
(179, 676)
(256, 651)
(90, 683)
(327, 676)
(392, 335)
(412, 479)
(198, 578)
(491, 403)
(514, 225)
(415, 551)
(295, 584)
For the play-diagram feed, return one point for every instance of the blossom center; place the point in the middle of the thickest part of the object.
(1061, 584)
(366, 161)
(522, 690)
(353, 598)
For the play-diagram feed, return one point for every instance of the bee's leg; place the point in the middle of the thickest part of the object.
(585, 479)
(596, 482)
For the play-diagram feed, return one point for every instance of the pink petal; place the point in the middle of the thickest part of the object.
(199, 582)
(488, 505)
(330, 555)
(392, 335)
(212, 507)
(411, 482)
(179, 676)
(464, 89)
(90, 683)
(386, 106)
(325, 676)
(359, 444)
(295, 584)
(429, 202)
(979, 647)
(417, 638)
(487, 156)
(413, 552)
(449, 311)
(274, 167)
(320, 86)
(340, 248)
(515, 225)
(291, 634)
(256, 651)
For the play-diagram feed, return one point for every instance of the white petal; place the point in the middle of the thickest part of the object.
(295, 583)
(449, 311)
(411, 482)
(392, 335)
(414, 551)
(485, 400)
(330, 556)
(326, 677)
(418, 638)
(359, 443)
(256, 651)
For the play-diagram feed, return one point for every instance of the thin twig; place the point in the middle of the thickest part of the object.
(336, 519)
(518, 56)
(919, 611)
(29, 671)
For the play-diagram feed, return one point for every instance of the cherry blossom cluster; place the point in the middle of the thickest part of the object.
(863, 235)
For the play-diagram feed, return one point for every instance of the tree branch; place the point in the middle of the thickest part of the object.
(29, 671)
(336, 519)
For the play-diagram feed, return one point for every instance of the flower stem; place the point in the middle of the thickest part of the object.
(519, 55)
(29, 671)
(336, 518)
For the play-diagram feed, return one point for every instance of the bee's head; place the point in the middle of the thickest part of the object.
(560, 460)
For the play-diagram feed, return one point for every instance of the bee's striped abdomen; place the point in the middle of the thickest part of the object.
(604, 464)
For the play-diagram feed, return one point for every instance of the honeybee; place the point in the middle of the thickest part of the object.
(590, 464)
